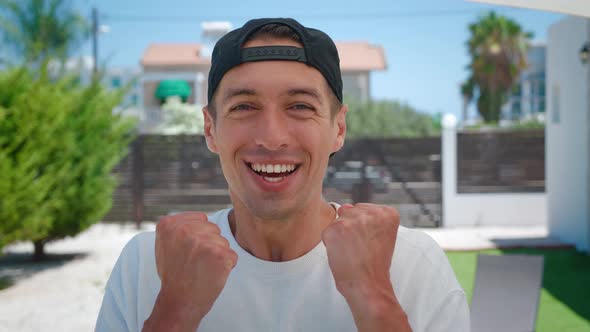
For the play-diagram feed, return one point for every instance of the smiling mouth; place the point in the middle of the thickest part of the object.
(273, 172)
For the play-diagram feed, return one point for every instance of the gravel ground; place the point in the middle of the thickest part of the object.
(64, 293)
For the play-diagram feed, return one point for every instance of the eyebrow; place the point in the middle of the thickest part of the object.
(304, 91)
(231, 93)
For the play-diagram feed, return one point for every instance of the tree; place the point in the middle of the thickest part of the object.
(498, 49)
(41, 29)
(59, 142)
(387, 119)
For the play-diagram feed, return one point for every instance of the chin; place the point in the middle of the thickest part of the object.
(271, 209)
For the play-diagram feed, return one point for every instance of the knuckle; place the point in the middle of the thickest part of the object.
(329, 233)
(232, 257)
(202, 216)
(213, 228)
(184, 229)
(225, 242)
(392, 213)
(162, 224)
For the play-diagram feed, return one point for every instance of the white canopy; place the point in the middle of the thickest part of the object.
(570, 7)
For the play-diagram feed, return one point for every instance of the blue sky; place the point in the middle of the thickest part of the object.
(424, 40)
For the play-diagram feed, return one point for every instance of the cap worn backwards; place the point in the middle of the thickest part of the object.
(319, 51)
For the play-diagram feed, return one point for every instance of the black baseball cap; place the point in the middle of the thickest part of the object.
(319, 51)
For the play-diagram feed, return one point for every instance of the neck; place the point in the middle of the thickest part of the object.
(281, 240)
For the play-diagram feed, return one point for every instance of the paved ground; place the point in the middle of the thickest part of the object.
(479, 238)
(65, 293)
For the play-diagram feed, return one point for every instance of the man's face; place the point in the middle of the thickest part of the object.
(274, 133)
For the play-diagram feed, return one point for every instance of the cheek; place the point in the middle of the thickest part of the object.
(317, 143)
(228, 141)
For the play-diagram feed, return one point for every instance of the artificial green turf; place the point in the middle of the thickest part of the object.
(5, 282)
(565, 298)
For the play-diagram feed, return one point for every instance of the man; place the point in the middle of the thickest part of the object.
(282, 258)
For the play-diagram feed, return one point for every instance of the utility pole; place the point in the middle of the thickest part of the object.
(94, 41)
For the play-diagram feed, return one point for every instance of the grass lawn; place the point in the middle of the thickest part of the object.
(565, 297)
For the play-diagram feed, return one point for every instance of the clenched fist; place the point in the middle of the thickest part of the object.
(193, 261)
(360, 246)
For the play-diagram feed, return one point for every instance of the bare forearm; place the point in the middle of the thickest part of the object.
(170, 316)
(377, 310)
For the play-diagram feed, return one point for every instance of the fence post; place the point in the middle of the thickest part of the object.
(137, 181)
(362, 192)
(449, 167)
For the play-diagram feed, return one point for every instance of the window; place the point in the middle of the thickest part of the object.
(116, 82)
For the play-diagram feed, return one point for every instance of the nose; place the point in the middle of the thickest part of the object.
(272, 130)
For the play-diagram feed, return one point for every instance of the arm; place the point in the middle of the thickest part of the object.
(375, 308)
(170, 315)
(193, 262)
(360, 245)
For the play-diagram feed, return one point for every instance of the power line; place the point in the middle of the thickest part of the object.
(332, 16)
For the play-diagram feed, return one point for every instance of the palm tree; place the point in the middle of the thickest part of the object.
(38, 30)
(498, 48)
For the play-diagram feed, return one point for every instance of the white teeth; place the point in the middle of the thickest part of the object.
(274, 179)
(269, 168)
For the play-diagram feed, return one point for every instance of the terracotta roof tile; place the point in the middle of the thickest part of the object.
(174, 55)
(354, 56)
(360, 56)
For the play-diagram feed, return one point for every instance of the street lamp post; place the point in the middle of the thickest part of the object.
(585, 59)
(94, 41)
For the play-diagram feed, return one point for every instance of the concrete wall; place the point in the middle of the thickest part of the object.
(567, 133)
(514, 209)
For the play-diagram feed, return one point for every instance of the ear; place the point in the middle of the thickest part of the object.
(209, 130)
(340, 123)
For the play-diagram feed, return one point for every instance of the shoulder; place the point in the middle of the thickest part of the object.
(426, 285)
(417, 243)
(416, 251)
(144, 242)
(219, 217)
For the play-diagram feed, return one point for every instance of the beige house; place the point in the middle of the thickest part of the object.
(191, 62)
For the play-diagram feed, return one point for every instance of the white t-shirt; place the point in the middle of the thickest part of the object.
(297, 295)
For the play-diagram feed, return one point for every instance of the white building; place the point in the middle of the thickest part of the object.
(183, 68)
(528, 101)
(567, 132)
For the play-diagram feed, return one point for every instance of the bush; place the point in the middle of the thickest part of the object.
(388, 119)
(59, 142)
(181, 118)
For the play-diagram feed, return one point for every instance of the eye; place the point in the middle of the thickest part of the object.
(301, 107)
(242, 107)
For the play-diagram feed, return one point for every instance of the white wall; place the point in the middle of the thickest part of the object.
(356, 85)
(567, 133)
(513, 209)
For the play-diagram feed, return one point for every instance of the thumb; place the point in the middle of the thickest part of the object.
(344, 207)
